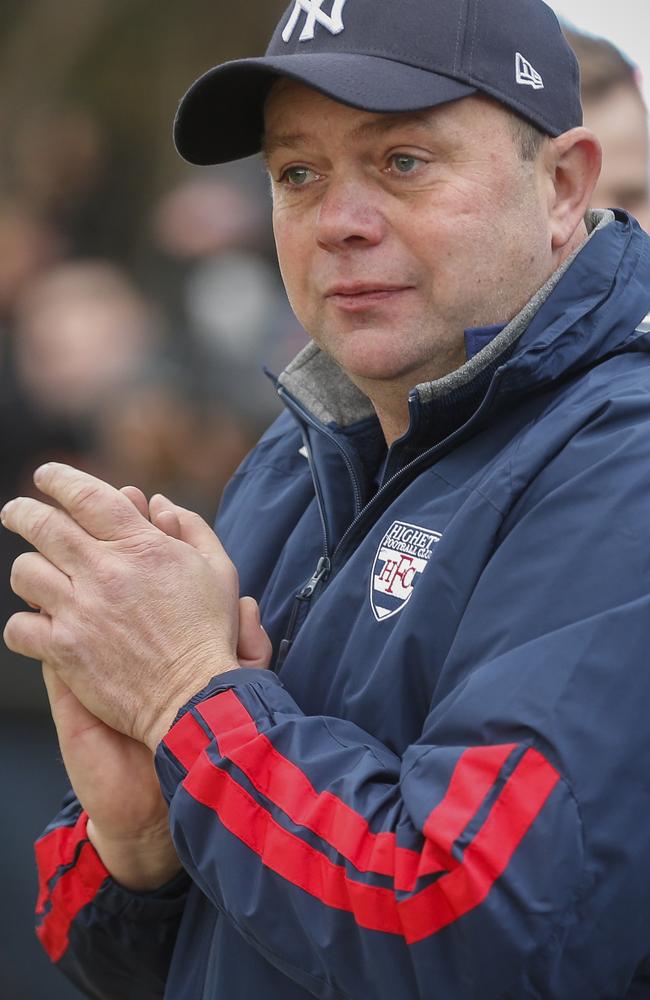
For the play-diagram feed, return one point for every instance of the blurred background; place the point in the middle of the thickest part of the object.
(139, 298)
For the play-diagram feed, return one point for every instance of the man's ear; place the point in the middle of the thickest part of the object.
(574, 162)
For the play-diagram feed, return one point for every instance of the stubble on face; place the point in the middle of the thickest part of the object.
(459, 242)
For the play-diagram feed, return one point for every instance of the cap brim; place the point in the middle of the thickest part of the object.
(221, 117)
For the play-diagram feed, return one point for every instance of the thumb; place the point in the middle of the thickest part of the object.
(254, 648)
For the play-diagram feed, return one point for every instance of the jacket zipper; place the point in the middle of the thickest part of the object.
(321, 573)
(301, 603)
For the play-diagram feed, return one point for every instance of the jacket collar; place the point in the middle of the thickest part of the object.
(572, 292)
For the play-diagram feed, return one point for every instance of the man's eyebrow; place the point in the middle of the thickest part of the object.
(383, 123)
(282, 140)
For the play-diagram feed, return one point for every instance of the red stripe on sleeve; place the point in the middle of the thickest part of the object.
(75, 889)
(53, 851)
(186, 739)
(453, 895)
(474, 775)
(326, 815)
(229, 720)
(288, 787)
(286, 854)
(487, 857)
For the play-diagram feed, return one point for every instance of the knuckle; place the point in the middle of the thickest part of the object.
(84, 494)
(40, 518)
(65, 645)
(110, 574)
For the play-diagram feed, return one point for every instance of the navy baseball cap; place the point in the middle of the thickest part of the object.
(390, 56)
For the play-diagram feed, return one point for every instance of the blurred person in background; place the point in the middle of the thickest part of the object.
(80, 331)
(614, 109)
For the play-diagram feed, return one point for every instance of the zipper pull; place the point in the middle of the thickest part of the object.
(321, 573)
(303, 597)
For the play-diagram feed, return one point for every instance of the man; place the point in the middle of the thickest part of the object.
(440, 789)
(615, 110)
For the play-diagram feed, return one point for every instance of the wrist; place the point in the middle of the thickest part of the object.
(161, 726)
(140, 863)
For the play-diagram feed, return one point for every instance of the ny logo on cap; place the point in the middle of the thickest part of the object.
(312, 8)
(527, 75)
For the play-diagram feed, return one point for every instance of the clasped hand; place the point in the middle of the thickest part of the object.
(132, 620)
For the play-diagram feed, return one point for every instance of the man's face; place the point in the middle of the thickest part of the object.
(620, 122)
(397, 232)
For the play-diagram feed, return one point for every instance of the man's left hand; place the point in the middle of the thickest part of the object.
(134, 621)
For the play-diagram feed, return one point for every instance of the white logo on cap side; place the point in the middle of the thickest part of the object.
(312, 8)
(526, 74)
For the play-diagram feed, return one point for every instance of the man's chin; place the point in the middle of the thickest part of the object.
(366, 352)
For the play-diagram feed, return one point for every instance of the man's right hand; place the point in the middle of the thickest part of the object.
(113, 776)
(114, 779)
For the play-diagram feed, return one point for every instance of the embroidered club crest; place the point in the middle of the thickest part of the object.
(312, 8)
(403, 554)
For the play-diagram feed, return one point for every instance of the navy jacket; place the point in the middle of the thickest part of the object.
(443, 787)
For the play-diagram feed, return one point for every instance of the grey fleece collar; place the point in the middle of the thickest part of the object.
(323, 388)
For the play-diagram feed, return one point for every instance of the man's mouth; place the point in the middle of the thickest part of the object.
(353, 296)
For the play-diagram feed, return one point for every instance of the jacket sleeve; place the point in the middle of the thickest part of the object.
(505, 853)
(111, 943)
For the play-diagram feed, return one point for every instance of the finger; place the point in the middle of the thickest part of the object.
(193, 529)
(29, 633)
(99, 508)
(254, 648)
(48, 529)
(138, 499)
(39, 582)
(167, 521)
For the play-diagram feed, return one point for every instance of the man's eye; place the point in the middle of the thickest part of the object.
(404, 164)
(297, 176)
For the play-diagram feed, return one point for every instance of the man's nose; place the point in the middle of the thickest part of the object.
(349, 216)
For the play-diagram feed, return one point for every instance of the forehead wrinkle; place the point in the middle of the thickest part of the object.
(380, 125)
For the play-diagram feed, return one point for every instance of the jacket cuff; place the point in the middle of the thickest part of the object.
(198, 724)
(71, 874)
